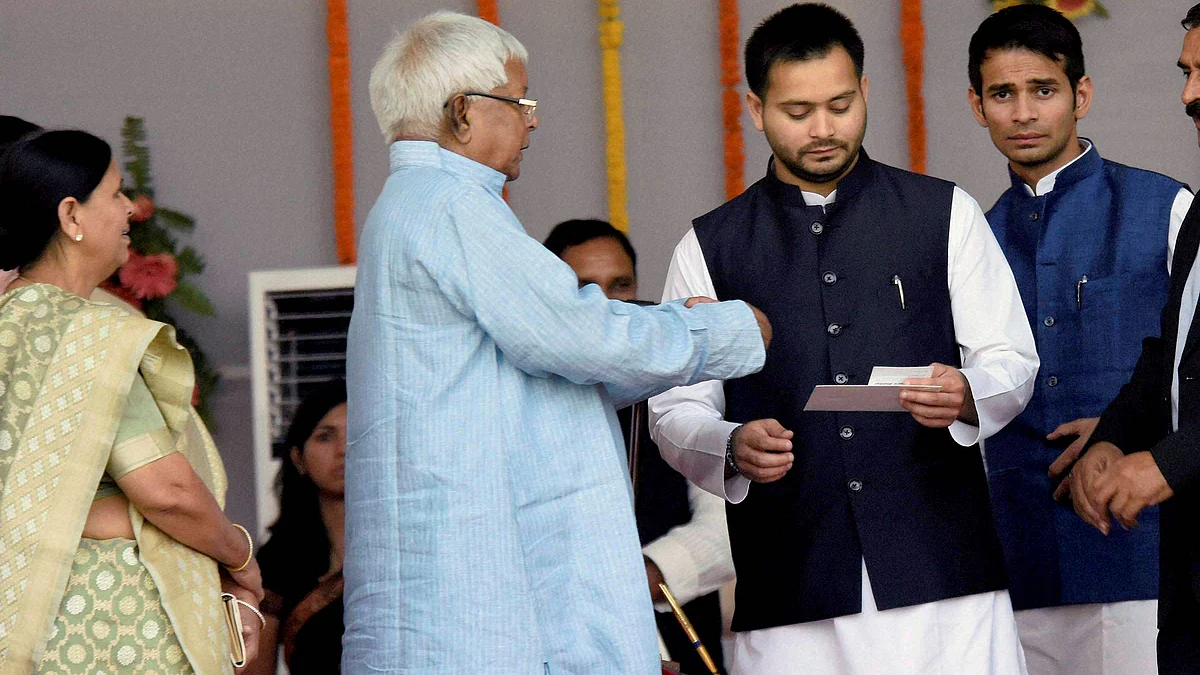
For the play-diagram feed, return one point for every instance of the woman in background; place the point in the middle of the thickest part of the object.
(302, 561)
(110, 487)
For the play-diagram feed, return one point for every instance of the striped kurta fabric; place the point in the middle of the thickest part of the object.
(489, 526)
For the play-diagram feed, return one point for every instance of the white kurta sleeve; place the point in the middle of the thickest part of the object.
(694, 557)
(686, 422)
(999, 357)
(1179, 210)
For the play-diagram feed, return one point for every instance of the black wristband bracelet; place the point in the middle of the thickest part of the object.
(729, 460)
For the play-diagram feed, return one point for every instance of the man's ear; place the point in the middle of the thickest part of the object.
(460, 126)
(976, 106)
(755, 105)
(865, 86)
(1083, 97)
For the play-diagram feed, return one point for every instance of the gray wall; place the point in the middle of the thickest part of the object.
(234, 95)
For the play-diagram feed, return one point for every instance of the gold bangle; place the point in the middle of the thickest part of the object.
(249, 554)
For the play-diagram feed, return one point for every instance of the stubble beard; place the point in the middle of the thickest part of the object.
(796, 168)
(794, 160)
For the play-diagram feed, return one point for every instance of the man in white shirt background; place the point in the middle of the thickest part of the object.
(682, 528)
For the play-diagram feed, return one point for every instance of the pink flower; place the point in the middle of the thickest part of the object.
(143, 208)
(122, 293)
(150, 276)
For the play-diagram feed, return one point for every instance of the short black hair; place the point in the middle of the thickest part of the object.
(37, 172)
(1034, 28)
(1193, 17)
(580, 231)
(798, 33)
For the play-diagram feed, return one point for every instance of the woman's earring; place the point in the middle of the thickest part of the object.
(79, 237)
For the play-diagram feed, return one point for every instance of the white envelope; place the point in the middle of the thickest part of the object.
(861, 397)
(882, 394)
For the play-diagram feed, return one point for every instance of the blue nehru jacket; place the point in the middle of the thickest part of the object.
(1090, 260)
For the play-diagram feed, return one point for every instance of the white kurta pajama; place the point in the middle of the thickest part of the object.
(975, 634)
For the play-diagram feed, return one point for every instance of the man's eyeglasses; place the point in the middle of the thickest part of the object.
(526, 105)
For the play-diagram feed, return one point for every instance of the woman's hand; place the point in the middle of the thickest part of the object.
(248, 579)
(251, 625)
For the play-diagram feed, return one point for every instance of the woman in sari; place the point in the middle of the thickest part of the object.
(302, 561)
(113, 544)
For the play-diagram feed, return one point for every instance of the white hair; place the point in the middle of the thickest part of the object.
(442, 54)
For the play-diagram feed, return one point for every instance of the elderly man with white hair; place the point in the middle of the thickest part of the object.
(485, 458)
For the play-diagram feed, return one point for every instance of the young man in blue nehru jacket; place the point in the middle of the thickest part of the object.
(863, 541)
(1089, 243)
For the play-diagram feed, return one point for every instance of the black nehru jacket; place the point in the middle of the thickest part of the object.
(874, 486)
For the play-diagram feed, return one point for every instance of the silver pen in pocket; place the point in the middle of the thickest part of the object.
(899, 287)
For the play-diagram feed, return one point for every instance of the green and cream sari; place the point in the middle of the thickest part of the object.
(71, 374)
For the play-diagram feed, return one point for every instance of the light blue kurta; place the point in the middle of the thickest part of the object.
(489, 527)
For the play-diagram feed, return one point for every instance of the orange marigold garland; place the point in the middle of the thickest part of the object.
(731, 99)
(610, 65)
(1072, 9)
(488, 11)
(912, 47)
(341, 128)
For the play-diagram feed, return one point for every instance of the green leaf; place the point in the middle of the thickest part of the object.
(1101, 11)
(148, 239)
(190, 262)
(175, 220)
(137, 155)
(192, 299)
(156, 310)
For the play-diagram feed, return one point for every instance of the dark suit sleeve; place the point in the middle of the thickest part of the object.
(1132, 422)
(1138, 419)
(1178, 458)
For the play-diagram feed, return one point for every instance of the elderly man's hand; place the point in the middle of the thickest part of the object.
(940, 408)
(764, 325)
(1083, 481)
(762, 450)
(1131, 484)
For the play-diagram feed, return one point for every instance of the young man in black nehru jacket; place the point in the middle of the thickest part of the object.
(863, 541)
